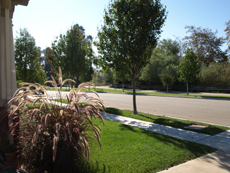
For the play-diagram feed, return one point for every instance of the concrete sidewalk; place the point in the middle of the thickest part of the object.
(218, 161)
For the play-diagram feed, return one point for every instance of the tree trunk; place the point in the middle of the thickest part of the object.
(77, 82)
(123, 84)
(134, 96)
(167, 88)
(187, 87)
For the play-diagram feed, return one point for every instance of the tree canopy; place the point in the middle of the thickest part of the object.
(166, 53)
(129, 34)
(188, 67)
(206, 44)
(27, 58)
(73, 53)
(216, 74)
(227, 38)
(168, 75)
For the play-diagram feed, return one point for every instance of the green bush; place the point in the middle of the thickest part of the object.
(18, 83)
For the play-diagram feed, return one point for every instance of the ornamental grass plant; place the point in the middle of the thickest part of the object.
(51, 136)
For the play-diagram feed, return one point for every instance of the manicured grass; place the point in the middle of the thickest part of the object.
(210, 129)
(130, 149)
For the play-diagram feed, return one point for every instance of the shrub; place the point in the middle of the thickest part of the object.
(54, 136)
(18, 83)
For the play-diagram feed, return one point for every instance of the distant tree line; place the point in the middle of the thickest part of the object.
(165, 65)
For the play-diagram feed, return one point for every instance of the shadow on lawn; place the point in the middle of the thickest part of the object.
(93, 167)
(196, 149)
(210, 129)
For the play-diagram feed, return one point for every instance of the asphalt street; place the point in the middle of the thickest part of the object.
(214, 111)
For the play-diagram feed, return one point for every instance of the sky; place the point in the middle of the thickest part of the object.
(47, 19)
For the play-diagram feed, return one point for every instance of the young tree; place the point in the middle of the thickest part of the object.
(188, 67)
(129, 34)
(72, 52)
(27, 58)
(206, 44)
(168, 75)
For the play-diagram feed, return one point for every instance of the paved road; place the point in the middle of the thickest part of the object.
(202, 110)
(215, 111)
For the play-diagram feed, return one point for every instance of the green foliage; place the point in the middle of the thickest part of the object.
(73, 52)
(54, 137)
(27, 58)
(88, 76)
(216, 74)
(188, 67)
(168, 75)
(18, 83)
(166, 53)
(129, 34)
(206, 44)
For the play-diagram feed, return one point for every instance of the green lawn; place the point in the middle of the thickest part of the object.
(129, 149)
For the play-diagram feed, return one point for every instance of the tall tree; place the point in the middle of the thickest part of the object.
(188, 68)
(171, 47)
(72, 52)
(227, 38)
(206, 44)
(129, 34)
(27, 58)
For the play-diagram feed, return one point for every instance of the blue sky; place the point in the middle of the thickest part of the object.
(46, 19)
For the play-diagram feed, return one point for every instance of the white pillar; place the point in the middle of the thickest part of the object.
(7, 61)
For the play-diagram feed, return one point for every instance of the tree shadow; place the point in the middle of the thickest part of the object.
(210, 129)
(197, 149)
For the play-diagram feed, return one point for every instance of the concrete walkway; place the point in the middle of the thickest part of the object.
(218, 161)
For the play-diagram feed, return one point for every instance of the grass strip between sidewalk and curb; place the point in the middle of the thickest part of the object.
(167, 121)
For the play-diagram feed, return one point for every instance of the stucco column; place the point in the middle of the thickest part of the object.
(7, 62)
